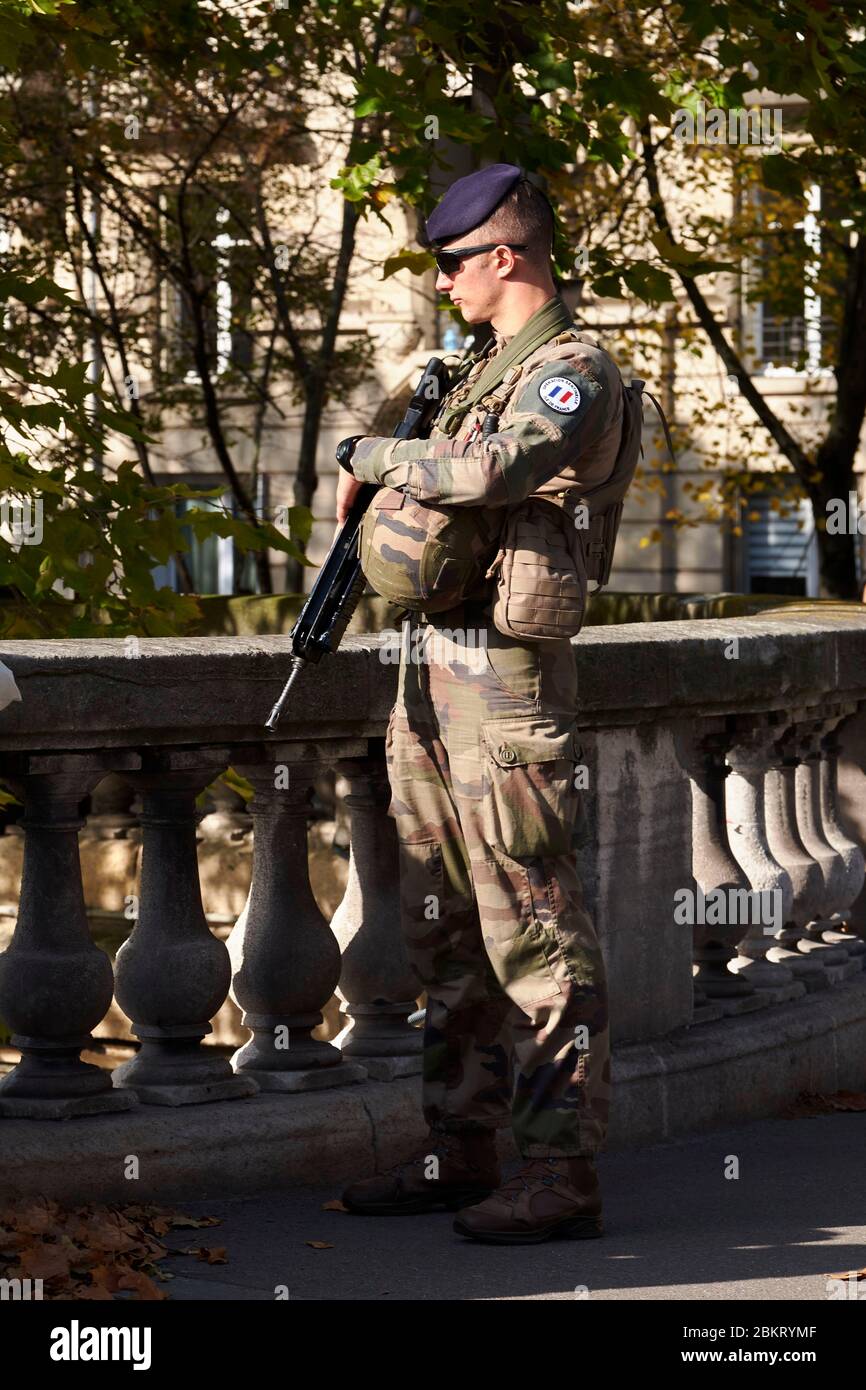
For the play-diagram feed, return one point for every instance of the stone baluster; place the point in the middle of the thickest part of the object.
(714, 870)
(55, 984)
(172, 973)
(787, 848)
(285, 957)
(748, 760)
(376, 984)
(832, 865)
(836, 836)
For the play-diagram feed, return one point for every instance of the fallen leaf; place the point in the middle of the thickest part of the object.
(13, 1241)
(145, 1211)
(45, 1262)
(319, 1244)
(108, 1275)
(37, 1218)
(215, 1255)
(849, 1274)
(94, 1252)
(106, 1234)
(155, 1248)
(336, 1205)
(95, 1292)
(848, 1100)
(811, 1103)
(142, 1285)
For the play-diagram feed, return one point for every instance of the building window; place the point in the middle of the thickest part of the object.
(800, 277)
(781, 550)
(789, 340)
(223, 262)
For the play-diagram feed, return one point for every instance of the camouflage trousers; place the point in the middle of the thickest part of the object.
(481, 750)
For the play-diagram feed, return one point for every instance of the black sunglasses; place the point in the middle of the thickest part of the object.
(449, 261)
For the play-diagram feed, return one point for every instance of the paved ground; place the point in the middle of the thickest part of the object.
(676, 1228)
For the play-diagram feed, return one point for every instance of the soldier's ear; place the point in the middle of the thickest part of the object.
(559, 392)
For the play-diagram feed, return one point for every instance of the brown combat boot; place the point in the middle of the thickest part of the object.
(548, 1197)
(468, 1170)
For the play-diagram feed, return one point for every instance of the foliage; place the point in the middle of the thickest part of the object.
(102, 527)
(98, 1253)
(251, 110)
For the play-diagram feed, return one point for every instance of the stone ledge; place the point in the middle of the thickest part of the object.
(91, 694)
(710, 1075)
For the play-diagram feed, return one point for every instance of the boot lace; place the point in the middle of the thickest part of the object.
(537, 1169)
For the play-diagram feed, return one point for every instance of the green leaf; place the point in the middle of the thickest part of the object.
(687, 262)
(415, 261)
(649, 283)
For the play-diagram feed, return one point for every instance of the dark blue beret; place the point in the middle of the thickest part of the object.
(470, 201)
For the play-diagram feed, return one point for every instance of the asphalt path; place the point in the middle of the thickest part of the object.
(676, 1228)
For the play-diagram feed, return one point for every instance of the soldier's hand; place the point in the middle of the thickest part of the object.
(347, 490)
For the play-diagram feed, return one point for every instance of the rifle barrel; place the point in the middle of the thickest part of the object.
(273, 719)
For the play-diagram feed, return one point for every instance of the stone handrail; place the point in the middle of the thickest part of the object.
(712, 750)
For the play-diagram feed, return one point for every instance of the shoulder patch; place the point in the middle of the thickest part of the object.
(559, 392)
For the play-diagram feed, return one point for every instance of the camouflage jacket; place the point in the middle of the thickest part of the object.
(559, 425)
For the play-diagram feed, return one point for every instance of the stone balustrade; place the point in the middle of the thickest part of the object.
(725, 764)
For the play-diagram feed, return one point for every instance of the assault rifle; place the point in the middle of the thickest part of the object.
(340, 582)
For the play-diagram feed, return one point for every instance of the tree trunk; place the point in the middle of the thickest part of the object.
(306, 476)
(837, 554)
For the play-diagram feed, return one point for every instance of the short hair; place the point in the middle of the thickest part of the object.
(524, 215)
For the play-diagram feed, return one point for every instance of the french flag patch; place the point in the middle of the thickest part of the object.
(560, 394)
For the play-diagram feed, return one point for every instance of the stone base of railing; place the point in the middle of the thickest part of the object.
(714, 1073)
(390, 1068)
(310, 1078)
(18, 1100)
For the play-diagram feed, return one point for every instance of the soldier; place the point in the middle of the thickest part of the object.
(482, 758)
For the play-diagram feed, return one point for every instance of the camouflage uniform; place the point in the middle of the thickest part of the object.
(482, 749)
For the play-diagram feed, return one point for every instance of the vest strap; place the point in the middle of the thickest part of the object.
(548, 321)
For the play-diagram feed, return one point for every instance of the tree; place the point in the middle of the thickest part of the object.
(588, 99)
(84, 534)
(244, 107)
(817, 52)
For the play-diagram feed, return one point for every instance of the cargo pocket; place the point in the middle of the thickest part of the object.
(422, 907)
(517, 945)
(407, 763)
(530, 800)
